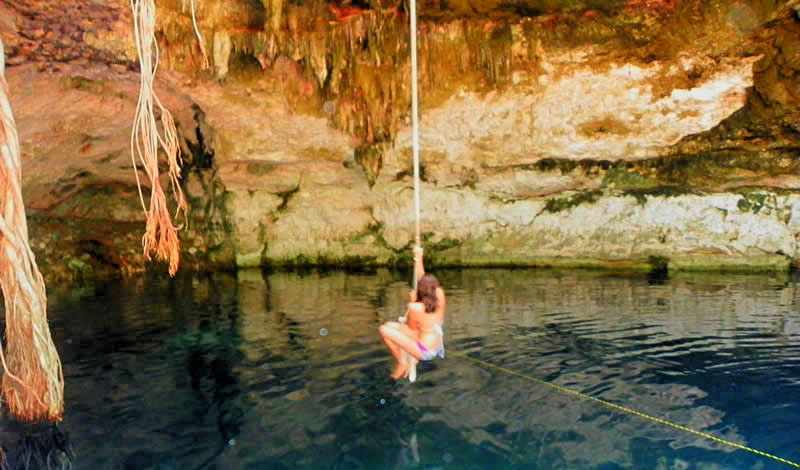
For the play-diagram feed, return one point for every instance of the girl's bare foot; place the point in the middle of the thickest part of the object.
(400, 370)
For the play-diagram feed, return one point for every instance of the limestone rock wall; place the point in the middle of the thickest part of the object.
(661, 135)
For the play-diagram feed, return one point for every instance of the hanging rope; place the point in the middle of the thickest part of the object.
(415, 125)
(409, 360)
(412, 362)
(33, 382)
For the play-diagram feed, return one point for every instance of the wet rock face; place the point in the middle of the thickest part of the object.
(552, 132)
(62, 31)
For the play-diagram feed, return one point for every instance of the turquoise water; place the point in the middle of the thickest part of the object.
(255, 370)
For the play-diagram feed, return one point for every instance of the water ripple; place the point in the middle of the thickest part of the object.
(285, 370)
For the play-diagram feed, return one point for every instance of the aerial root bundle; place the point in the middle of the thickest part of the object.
(161, 235)
(33, 382)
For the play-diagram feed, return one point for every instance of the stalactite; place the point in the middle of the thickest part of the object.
(222, 53)
(343, 48)
(276, 18)
(318, 50)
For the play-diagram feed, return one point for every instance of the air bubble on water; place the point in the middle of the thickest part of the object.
(323, 332)
(232, 442)
(383, 401)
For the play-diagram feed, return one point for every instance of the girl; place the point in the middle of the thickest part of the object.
(421, 336)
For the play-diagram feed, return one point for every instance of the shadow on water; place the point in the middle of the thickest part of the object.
(203, 355)
(282, 370)
(36, 447)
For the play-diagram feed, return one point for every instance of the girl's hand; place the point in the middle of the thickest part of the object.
(412, 296)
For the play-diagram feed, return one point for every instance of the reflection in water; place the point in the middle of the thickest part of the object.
(283, 370)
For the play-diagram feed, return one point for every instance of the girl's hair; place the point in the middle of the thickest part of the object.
(426, 292)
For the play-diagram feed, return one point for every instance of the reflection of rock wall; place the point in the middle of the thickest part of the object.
(236, 364)
(302, 400)
(480, 296)
(572, 329)
(321, 317)
(539, 324)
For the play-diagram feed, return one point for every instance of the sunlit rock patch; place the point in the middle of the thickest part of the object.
(574, 112)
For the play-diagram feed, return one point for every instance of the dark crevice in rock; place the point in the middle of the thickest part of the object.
(286, 196)
(659, 271)
(202, 151)
(370, 157)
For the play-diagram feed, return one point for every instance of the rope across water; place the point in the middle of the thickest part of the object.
(627, 410)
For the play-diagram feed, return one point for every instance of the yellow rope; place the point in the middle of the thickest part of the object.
(627, 410)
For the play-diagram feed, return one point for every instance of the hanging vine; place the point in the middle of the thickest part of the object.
(161, 236)
(33, 381)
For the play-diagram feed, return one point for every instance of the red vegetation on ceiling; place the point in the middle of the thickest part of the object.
(659, 4)
(344, 13)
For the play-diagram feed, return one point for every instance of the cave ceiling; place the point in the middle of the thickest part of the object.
(69, 30)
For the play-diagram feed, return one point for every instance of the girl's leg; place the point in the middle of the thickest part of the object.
(398, 338)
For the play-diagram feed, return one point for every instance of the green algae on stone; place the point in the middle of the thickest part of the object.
(92, 200)
(250, 260)
(222, 255)
(623, 176)
(565, 166)
(707, 262)
(326, 261)
(704, 170)
(642, 194)
(559, 204)
(79, 265)
(757, 199)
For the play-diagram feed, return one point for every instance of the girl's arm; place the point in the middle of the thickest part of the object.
(440, 302)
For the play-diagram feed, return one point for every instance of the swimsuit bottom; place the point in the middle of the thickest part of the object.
(427, 354)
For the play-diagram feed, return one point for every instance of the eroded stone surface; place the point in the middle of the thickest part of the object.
(575, 112)
(560, 150)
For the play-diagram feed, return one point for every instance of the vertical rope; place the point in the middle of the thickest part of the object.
(199, 38)
(415, 123)
(407, 358)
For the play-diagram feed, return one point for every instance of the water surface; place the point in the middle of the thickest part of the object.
(256, 370)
